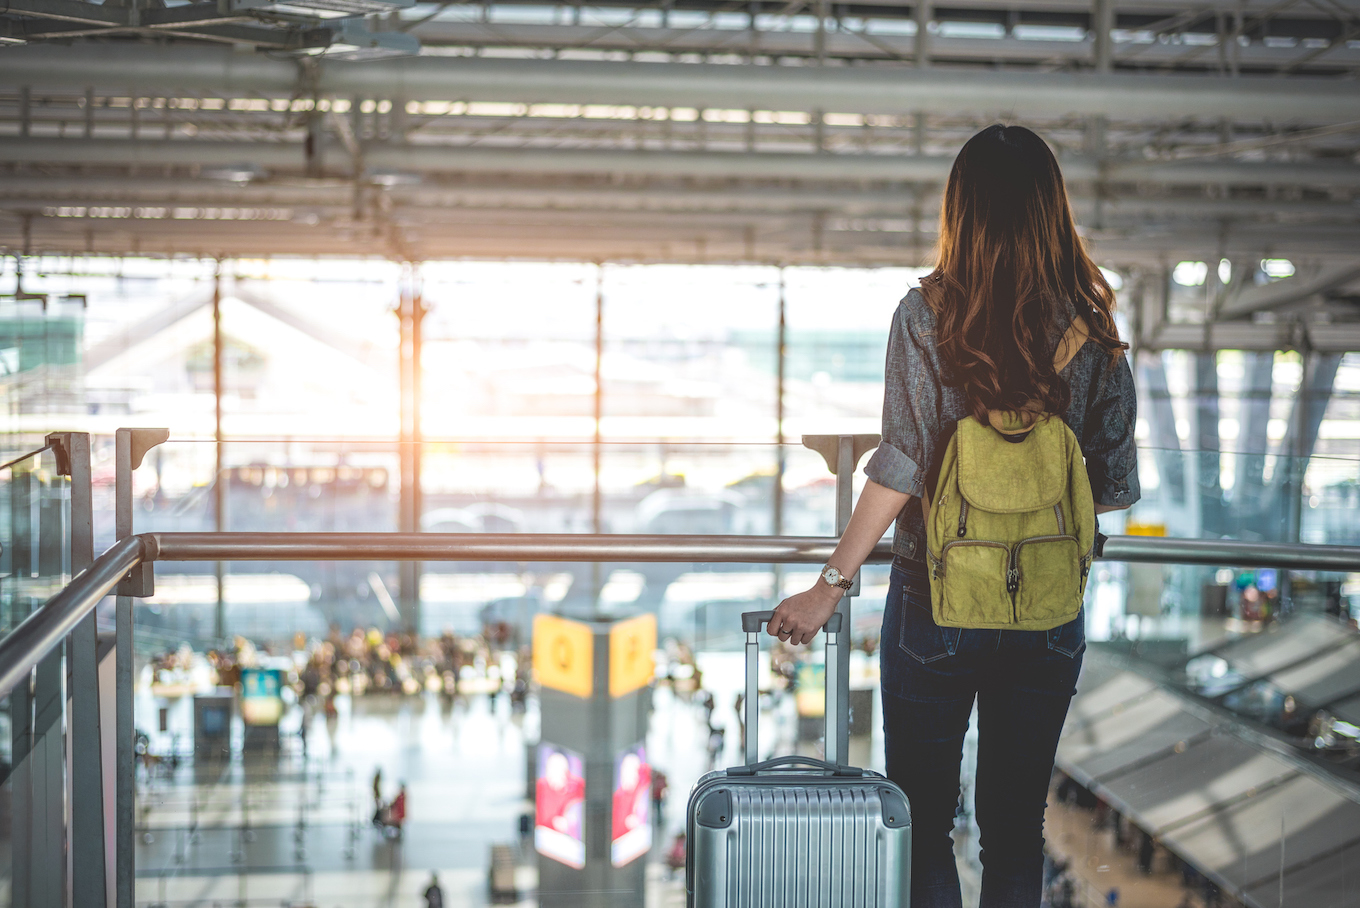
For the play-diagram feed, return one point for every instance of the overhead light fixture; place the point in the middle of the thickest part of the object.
(353, 41)
(235, 173)
(325, 9)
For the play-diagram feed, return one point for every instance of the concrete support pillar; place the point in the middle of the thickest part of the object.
(595, 679)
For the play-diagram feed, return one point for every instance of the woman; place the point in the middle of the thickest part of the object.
(980, 334)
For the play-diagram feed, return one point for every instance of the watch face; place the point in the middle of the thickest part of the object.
(831, 575)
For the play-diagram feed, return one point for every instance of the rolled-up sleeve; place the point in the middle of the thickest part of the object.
(1109, 446)
(911, 407)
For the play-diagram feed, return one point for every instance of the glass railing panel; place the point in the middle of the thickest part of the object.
(35, 562)
(453, 714)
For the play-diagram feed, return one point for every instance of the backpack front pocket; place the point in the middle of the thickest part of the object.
(1049, 591)
(969, 588)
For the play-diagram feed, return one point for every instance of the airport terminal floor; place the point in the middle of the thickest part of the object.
(293, 821)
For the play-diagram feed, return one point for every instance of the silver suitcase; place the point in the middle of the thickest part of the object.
(796, 832)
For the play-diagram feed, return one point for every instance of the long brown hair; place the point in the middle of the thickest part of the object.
(1009, 255)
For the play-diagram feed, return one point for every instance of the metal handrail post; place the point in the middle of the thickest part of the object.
(842, 454)
(130, 446)
(89, 879)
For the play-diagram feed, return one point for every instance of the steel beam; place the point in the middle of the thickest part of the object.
(34, 192)
(68, 11)
(765, 166)
(1289, 291)
(889, 90)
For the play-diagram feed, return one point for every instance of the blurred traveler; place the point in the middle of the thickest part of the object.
(741, 722)
(660, 787)
(675, 856)
(396, 812)
(1015, 323)
(715, 745)
(434, 896)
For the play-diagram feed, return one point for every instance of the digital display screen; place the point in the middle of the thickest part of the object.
(631, 837)
(559, 805)
(261, 696)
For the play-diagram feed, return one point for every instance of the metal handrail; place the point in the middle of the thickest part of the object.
(28, 643)
(620, 548)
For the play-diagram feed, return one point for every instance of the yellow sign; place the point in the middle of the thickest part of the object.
(564, 654)
(1145, 529)
(631, 644)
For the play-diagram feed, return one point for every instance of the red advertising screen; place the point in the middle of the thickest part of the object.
(631, 837)
(559, 802)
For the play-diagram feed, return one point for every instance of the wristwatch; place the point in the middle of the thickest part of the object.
(833, 576)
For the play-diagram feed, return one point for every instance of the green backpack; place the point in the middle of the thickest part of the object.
(1010, 532)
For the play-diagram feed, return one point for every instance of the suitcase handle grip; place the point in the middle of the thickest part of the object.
(751, 624)
(836, 769)
(754, 622)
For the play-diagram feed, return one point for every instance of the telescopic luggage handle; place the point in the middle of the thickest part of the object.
(753, 623)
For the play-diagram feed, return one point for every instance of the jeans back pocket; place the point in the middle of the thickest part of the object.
(920, 637)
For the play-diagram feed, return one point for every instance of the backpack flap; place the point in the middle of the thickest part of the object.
(1009, 477)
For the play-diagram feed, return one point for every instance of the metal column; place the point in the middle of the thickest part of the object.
(1208, 463)
(1253, 442)
(219, 473)
(597, 443)
(1102, 24)
(1166, 442)
(596, 501)
(923, 14)
(411, 313)
(781, 361)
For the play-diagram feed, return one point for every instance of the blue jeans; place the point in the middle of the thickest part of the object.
(1023, 682)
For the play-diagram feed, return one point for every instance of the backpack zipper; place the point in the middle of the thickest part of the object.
(1013, 584)
(963, 516)
(939, 564)
(1062, 527)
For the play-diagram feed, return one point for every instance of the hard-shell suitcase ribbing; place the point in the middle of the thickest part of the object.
(796, 832)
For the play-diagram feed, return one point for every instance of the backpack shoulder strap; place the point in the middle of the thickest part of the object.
(1072, 341)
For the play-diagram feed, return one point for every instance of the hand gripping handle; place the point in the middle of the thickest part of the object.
(753, 623)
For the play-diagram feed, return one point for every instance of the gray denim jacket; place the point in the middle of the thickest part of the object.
(920, 412)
